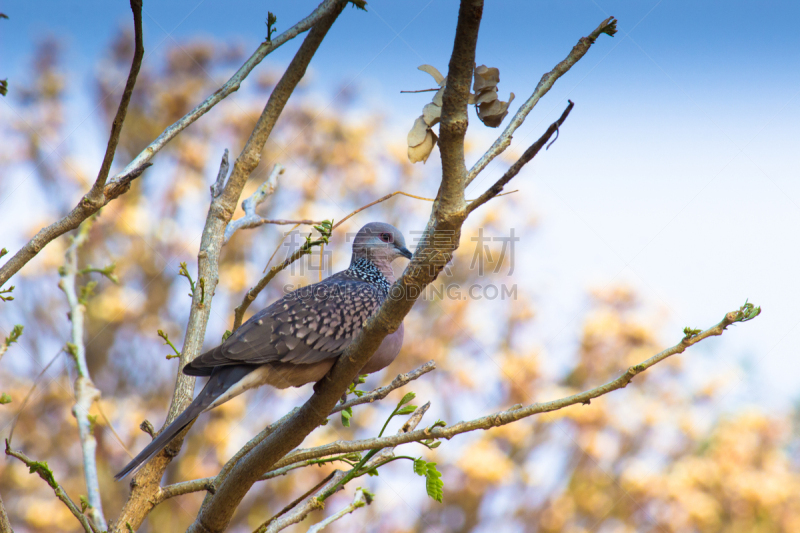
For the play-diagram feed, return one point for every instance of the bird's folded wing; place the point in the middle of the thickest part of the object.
(306, 326)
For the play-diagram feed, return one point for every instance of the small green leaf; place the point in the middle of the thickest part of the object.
(407, 410)
(347, 413)
(5, 398)
(227, 334)
(15, 334)
(373, 472)
(433, 483)
(420, 467)
(407, 398)
(41, 468)
(84, 503)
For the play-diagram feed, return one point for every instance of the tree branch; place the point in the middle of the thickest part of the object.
(382, 392)
(359, 500)
(232, 85)
(85, 391)
(448, 215)
(251, 219)
(41, 468)
(529, 154)
(609, 27)
(515, 413)
(100, 193)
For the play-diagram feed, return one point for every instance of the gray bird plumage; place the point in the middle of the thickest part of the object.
(296, 339)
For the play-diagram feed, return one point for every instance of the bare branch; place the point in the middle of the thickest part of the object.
(44, 472)
(529, 154)
(251, 219)
(359, 500)
(185, 487)
(382, 392)
(517, 412)
(448, 214)
(276, 523)
(100, 193)
(232, 85)
(338, 481)
(608, 26)
(85, 391)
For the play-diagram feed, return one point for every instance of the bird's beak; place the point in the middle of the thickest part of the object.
(405, 252)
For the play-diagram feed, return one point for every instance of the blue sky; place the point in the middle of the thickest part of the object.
(677, 171)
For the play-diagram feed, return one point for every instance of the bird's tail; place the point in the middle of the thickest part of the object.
(220, 381)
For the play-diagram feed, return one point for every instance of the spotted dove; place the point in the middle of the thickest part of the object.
(296, 339)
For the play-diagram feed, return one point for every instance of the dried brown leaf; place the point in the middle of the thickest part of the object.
(433, 71)
(431, 114)
(422, 151)
(485, 78)
(417, 134)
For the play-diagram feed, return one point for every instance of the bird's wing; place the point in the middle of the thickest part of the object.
(306, 326)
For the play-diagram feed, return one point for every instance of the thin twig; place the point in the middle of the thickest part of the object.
(30, 393)
(359, 500)
(513, 414)
(251, 219)
(85, 391)
(232, 85)
(422, 90)
(382, 392)
(41, 468)
(529, 154)
(608, 26)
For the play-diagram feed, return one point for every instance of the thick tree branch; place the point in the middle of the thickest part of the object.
(44, 472)
(85, 391)
(100, 193)
(430, 258)
(529, 154)
(608, 26)
(515, 413)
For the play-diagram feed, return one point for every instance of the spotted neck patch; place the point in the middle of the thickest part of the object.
(365, 270)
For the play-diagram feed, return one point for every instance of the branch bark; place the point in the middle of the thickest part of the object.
(515, 413)
(449, 212)
(85, 391)
(251, 219)
(5, 525)
(146, 483)
(609, 27)
(100, 193)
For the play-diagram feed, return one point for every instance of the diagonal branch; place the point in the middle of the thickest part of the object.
(609, 27)
(515, 413)
(5, 525)
(44, 472)
(251, 219)
(447, 216)
(85, 391)
(529, 154)
(100, 193)
(232, 85)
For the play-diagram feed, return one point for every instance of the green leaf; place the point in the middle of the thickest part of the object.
(407, 410)
(373, 472)
(433, 483)
(41, 468)
(420, 467)
(15, 334)
(5, 398)
(84, 503)
(407, 398)
(227, 334)
(347, 413)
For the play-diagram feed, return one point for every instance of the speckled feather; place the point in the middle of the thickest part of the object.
(309, 325)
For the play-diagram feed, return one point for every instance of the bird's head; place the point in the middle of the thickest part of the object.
(381, 243)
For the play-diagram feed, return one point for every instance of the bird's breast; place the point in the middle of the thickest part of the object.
(386, 352)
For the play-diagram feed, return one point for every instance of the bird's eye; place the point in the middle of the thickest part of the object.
(386, 237)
